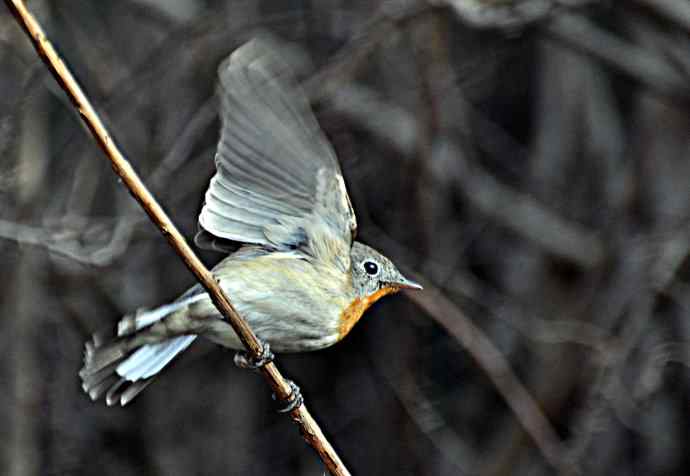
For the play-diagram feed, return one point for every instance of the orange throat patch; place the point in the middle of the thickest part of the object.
(353, 312)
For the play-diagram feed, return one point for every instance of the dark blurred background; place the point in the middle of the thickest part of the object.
(527, 160)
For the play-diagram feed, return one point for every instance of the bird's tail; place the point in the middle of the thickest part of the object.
(121, 367)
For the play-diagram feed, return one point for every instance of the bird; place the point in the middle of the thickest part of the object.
(278, 206)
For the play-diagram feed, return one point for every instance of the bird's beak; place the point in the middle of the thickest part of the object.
(404, 283)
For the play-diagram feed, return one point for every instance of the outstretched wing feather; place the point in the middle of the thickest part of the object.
(277, 183)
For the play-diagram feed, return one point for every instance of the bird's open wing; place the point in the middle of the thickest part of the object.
(278, 183)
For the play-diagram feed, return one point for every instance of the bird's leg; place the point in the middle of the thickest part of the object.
(245, 360)
(295, 399)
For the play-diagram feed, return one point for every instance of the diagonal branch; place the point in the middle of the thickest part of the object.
(525, 408)
(673, 10)
(300, 415)
(580, 33)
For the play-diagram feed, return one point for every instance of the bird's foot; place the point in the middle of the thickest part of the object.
(294, 400)
(246, 361)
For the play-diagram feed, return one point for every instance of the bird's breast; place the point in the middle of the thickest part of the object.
(353, 313)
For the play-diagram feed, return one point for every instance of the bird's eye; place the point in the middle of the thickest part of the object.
(371, 268)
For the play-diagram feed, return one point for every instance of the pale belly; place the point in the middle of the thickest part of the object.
(288, 303)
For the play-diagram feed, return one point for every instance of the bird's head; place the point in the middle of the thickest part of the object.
(374, 275)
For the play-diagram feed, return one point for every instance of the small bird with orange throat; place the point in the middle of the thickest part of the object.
(278, 204)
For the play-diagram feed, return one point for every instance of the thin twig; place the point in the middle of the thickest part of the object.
(506, 16)
(523, 405)
(351, 57)
(300, 415)
(525, 215)
(501, 15)
(180, 150)
(578, 32)
(675, 11)
(67, 241)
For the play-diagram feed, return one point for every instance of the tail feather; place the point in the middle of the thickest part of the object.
(150, 359)
(113, 394)
(133, 390)
(121, 367)
(90, 380)
(121, 374)
(100, 388)
(143, 318)
(98, 357)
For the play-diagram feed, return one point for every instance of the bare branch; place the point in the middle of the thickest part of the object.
(505, 15)
(69, 242)
(183, 144)
(351, 57)
(489, 358)
(577, 31)
(523, 214)
(677, 12)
